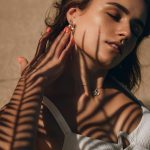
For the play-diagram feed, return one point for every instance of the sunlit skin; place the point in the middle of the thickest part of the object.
(103, 21)
(90, 57)
(91, 63)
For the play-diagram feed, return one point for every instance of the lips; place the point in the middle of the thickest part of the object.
(116, 46)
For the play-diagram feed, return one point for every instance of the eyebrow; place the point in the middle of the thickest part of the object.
(126, 11)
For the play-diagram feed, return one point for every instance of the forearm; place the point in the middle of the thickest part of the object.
(18, 121)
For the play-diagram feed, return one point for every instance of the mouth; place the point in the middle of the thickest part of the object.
(116, 47)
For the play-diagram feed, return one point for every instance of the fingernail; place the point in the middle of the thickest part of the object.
(48, 29)
(19, 59)
(67, 30)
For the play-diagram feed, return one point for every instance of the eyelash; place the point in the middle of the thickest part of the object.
(115, 17)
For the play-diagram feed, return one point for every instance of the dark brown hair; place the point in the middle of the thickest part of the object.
(128, 72)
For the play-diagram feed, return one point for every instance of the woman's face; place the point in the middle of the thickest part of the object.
(104, 24)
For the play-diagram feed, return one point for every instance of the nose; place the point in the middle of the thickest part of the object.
(124, 31)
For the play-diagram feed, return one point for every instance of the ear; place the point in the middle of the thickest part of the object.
(73, 14)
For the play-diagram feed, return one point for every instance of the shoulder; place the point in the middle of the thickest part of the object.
(124, 92)
(138, 118)
(134, 119)
(127, 106)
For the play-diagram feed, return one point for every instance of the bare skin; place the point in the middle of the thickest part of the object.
(50, 136)
(88, 70)
(19, 118)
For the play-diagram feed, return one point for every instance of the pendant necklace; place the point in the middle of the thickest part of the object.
(97, 92)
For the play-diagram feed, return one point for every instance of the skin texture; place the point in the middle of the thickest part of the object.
(95, 23)
(100, 117)
(93, 56)
(19, 118)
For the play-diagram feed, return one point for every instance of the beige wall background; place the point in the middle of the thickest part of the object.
(21, 25)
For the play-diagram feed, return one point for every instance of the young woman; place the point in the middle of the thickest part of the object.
(76, 92)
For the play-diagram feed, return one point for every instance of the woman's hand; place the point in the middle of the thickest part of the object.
(51, 62)
(22, 112)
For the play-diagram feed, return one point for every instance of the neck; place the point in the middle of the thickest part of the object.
(85, 75)
(78, 78)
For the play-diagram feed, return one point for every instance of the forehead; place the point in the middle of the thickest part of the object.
(136, 8)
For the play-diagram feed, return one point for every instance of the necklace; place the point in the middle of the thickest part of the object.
(97, 92)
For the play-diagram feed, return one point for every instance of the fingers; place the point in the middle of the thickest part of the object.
(63, 42)
(67, 50)
(23, 63)
(56, 43)
(43, 41)
(59, 44)
(42, 45)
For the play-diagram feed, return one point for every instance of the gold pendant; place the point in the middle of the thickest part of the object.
(96, 92)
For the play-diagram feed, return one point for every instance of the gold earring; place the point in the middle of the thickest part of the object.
(72, 27)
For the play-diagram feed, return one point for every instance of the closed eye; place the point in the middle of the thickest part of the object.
(116, 17)
(135, 27)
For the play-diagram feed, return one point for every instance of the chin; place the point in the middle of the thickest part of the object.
(107, 63)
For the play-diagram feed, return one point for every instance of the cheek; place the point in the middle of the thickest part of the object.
(90, 33)
(92, 28)
(87, 34)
